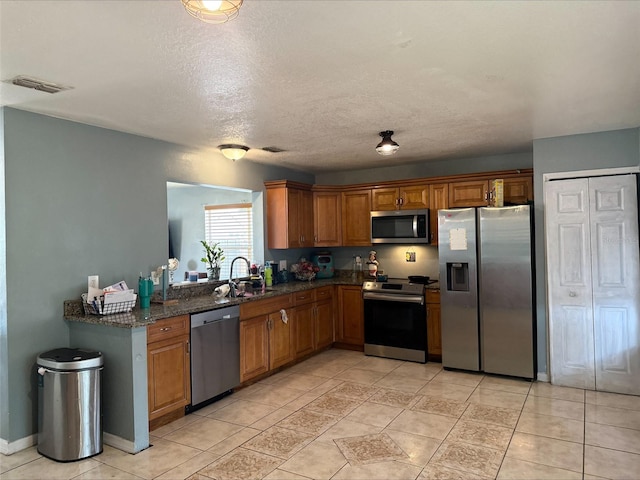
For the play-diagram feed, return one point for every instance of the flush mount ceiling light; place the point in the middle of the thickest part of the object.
(387, 146)
(233, 152)
(213, 11)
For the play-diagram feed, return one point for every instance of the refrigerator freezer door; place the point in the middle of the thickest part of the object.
(506, 291)
(458, 297)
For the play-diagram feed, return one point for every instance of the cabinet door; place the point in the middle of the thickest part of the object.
(324, 323)
(280, 340)
(168, 375)
(294, 214)
(254, 347)
(468, 194)
(356, 218)
(304, 335)
(434, 337)
(438, 199)
(305, 218)
(327, 216)
(351, 315)
(414, 197)
(518, 190)
(385, 199)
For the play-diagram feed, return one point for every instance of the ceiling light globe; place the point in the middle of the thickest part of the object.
(387, 146)
(212, 5)
(233, 152)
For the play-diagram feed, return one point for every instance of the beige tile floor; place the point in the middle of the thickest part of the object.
(341, 415)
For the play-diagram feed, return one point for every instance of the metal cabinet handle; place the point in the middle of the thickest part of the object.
(573, 294)
(165, 329)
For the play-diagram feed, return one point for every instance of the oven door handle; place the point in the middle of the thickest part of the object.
(393, 298)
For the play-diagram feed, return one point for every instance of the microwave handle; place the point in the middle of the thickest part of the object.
(415, 226)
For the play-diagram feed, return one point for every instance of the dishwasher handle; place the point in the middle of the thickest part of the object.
(214, 316)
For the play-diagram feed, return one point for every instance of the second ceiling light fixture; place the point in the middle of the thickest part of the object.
(387, 146)
(213, 11)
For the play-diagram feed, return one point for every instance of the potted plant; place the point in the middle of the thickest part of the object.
(214, 256)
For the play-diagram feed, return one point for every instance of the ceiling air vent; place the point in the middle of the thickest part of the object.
(273, 149)
(30, 82)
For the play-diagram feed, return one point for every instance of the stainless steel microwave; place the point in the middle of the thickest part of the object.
(400, 226)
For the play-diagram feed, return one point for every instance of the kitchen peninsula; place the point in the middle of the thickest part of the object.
(123, 340)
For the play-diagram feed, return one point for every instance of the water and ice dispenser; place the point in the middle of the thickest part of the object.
(457, 277)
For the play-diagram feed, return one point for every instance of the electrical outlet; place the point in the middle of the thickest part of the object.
(411, 256)
(155, 278)
(93, 281)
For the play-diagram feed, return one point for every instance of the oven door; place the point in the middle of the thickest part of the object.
(395, 326)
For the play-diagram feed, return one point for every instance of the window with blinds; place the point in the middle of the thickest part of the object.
(232, 227)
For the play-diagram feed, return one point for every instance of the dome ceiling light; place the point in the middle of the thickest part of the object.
(213, 11)
(232, 151)
(387, 146)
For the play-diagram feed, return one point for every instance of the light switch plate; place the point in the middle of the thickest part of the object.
(155, 278)
(411, 256)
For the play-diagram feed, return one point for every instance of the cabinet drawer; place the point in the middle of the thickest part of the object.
(432, 296)
(168, 328)
(264, 307)
(324, 293)
(306, 296)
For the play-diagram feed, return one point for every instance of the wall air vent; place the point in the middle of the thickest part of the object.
(273, 149)
(37, 84)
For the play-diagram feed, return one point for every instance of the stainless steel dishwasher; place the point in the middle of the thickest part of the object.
(215, 354)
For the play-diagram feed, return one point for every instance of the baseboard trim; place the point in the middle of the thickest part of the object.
(9, 448)
(543, 377)
(119, 443)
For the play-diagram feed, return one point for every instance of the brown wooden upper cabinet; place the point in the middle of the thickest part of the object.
(403, 198)
(438, 199)
(475, 193)
(289, 214)
(327, 216)
(356, 218)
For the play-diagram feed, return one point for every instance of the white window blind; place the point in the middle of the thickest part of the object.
(232, 227)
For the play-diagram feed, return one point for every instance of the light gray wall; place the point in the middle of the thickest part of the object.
(429, 169)
(82, 200)
(4, 346)
(619, 148)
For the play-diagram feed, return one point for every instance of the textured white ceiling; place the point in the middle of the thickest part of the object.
(320, 78)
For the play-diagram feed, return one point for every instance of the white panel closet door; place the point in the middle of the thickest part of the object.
(593, 270)
(615, 275)
(569, 292)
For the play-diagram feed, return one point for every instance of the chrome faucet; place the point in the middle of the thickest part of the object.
(232, 284)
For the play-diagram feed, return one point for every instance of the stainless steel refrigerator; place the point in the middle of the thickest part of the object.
(486, 290)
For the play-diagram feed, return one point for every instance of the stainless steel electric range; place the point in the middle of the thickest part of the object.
(395, 320)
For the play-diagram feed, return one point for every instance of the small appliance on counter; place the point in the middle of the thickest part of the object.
(324, 261)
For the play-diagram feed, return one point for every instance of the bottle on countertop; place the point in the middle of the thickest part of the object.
(268, 274)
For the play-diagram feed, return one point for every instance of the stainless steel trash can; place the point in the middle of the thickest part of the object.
(69, 404)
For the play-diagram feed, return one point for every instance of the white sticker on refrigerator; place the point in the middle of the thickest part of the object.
(458, 239)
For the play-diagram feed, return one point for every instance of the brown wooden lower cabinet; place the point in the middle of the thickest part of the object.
(313, 320)
(350, 328)
(324, 323)
(304, 322)
(266, 342)
(434, 335)
(254, 348)
(168, 369)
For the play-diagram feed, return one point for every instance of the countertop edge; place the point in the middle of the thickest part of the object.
(142, 317)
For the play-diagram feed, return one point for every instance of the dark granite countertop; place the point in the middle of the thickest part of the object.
(192, 298)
